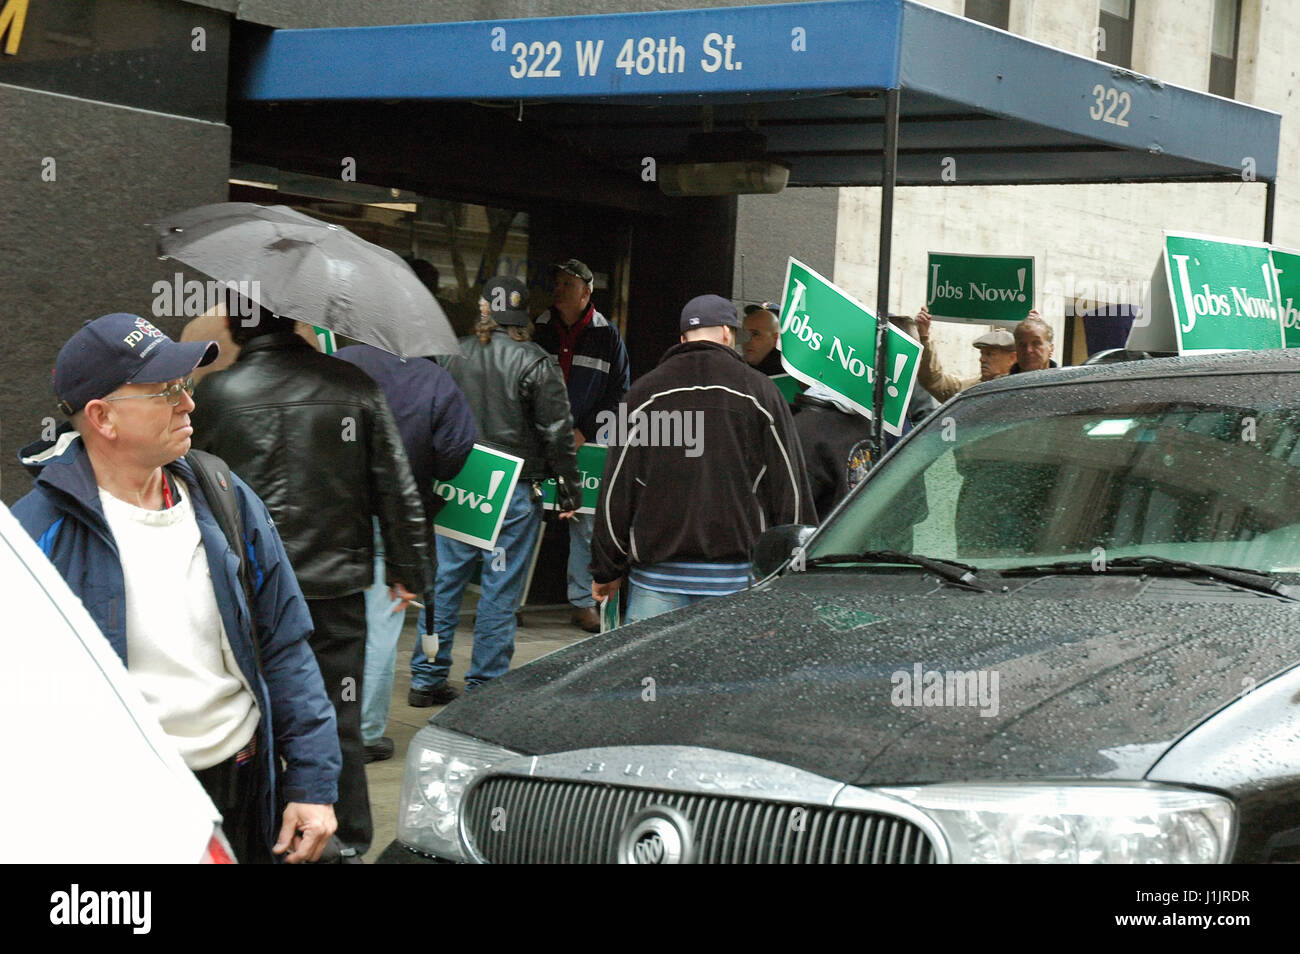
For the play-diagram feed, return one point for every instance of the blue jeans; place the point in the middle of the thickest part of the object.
(643, 603)
(383, 632)
(580, 529)
(504, 571)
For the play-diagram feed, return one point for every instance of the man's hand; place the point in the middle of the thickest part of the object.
(603, 591)
(578, 439)
(923, 323)
(306, 829)
(1033, 313)
(567, 514)
(398, 591)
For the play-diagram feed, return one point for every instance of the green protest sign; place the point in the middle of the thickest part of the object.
(788, 385)
(477, 497)
(610, 617)
(325, 338)
(828, 336)
(979, 288)
(1286, 270)
(591, 468)
(1210, 295)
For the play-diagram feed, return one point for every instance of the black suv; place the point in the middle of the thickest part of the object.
(1059, 623)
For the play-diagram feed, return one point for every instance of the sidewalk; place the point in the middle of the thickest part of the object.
(544, 631)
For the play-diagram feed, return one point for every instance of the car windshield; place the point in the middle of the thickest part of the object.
(1197, 468)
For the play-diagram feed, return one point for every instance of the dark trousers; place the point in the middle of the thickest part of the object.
(339, 643)
(234, 789)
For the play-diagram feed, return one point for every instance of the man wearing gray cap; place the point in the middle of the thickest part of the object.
(704, 458)
(597, 374)
(136, 525)
(997, 354)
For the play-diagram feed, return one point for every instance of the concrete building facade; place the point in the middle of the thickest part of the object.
(1091, 242)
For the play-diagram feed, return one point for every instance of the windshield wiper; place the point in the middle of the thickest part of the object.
(960, 573)
(1240, 576)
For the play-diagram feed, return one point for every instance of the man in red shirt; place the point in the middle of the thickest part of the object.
(596, 372)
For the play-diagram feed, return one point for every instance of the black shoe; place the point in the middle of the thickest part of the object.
(587, 618)
(380, 751)
(439, 695)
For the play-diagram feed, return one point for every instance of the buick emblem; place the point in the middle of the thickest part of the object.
(657, 835)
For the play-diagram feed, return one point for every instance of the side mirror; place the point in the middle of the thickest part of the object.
(775, 546)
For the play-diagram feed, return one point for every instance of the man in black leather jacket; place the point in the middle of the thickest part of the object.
(521, 407)
(315, 439)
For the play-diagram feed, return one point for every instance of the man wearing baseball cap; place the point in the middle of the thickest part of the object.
(997, 354)
(517, 397)
(118, 509)
(596, 375)
(709, 460)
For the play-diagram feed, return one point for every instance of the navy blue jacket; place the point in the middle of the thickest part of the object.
(600, 374)
(64, 516)
(433, 416)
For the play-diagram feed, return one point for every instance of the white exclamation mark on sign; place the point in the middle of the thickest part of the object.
(1020, 273)
(493, 484)
(900, 362)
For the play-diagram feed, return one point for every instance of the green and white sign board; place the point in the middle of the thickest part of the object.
(829, 336)
(1209, 295)
(610, 617)
(982, 289)
(1286, 270)
(325, 338)
(591, 468)
(788, 385)
(477, 497)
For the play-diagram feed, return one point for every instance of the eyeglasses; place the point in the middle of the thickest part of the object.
(172, 393)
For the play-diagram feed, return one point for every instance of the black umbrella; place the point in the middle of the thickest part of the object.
(300, 267)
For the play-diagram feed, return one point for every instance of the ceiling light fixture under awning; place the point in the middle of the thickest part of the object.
(724, 178)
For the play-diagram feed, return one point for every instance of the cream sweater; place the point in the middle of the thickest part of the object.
(176, 646)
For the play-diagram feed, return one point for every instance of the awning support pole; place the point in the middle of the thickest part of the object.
(889, 171)
(1270, 197)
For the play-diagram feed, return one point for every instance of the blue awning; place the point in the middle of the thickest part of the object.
(977, 105)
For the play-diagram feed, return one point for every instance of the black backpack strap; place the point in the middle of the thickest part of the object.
(219, 490)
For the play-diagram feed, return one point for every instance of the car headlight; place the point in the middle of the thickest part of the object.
(439, 767)
(1041, 823)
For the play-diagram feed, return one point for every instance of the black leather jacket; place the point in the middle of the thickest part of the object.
(314, 438)
(520, 405)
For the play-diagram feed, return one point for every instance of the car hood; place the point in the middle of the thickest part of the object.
(1095, 677)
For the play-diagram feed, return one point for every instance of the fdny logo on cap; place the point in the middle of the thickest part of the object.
(694, 320)
(147, 328)
(144, 330)
(516, 300)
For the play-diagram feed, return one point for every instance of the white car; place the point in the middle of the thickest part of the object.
(91, 777)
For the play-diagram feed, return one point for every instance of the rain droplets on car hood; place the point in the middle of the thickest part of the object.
(809, 672)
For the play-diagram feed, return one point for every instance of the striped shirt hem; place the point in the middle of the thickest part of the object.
(695, 579)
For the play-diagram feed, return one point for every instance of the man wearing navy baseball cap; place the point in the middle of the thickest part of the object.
(121, 512)
(118, 349)
(709, 460)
